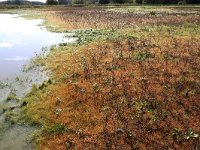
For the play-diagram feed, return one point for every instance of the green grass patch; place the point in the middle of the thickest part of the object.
(55, 129)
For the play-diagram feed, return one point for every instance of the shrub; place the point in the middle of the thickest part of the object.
(193, 1)
(52, 2)
(138, 1)
(119, 1)
(62, 2)
(104, 1)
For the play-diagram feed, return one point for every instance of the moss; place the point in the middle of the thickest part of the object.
(56, 129)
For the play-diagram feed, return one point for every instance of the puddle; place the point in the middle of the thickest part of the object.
(20, 40)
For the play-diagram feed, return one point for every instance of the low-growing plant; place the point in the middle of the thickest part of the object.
(190, 134)
(56, 129)
(143, 55)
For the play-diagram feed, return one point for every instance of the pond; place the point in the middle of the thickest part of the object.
(21, 39)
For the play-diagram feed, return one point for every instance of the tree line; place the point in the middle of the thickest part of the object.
(55, 2)
(168, 1)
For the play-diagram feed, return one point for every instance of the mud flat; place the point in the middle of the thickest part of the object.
(13, 134)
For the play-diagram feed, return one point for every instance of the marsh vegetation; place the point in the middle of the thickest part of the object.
(130, 82)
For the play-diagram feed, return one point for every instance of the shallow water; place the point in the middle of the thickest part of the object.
(17, 138)
(21, 39)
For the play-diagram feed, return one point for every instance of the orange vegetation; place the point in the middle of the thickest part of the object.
(126, 94)
(130, 93)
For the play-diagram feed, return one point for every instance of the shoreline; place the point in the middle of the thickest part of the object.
(13, 90)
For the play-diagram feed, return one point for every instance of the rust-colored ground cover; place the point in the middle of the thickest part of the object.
(76, 18)
(125, 93)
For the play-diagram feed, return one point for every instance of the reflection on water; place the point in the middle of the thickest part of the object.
(21, 39)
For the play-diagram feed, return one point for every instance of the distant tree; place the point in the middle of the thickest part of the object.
(119, 1)
(17, 2)
(129, 1)
(104, 1)
(61, 2)
(171, 1)
(91, 1)
(161, 1)
(167, 1)
(138, 1)
(193, 1)
(52, 2)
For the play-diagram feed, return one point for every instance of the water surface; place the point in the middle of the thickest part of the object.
(21, 39)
